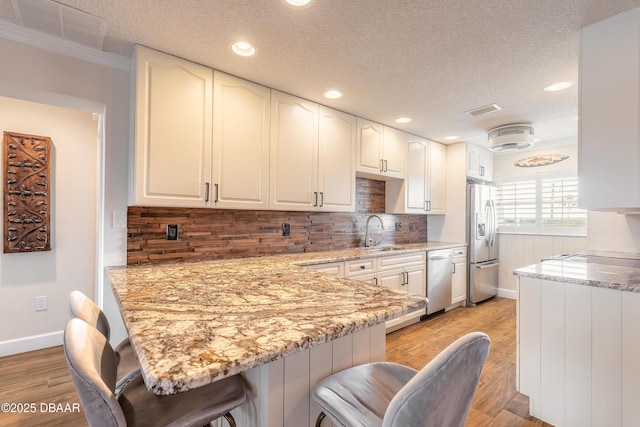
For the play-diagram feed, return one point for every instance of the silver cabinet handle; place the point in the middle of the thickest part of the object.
(206, 192)
(381, 165)
(375, 280)
(315, 198)
(385, 166)
(481, 170)
(217, 193)
(321, 199)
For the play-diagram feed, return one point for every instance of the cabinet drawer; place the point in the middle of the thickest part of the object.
(359, 266)
(459, 254)
(405, 260)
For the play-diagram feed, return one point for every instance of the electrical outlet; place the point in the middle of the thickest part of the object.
(41, 303)
(398, 226)
(119, 219)
(286, 229)
(172, 232)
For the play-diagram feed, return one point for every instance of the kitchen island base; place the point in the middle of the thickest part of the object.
(279, 392)
(578, 349)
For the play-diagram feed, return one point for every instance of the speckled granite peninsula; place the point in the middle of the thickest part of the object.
(197, 322)
(609, 270)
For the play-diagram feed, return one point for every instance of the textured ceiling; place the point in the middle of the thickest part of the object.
(430, 60)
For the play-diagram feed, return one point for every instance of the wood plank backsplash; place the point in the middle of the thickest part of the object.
(226, 233)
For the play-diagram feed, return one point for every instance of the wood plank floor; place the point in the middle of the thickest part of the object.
(496, 402)
(42, 377)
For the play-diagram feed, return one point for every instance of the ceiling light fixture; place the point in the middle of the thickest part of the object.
(508, 138)
(451, 138)
(558, 86)
(299, 4)
(403, 120)
(333, 94)
(243, 48)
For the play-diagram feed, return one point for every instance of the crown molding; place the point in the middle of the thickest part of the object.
(40, 40)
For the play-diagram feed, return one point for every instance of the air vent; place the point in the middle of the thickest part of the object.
(511, 138)
(61, 21)
(480, 111)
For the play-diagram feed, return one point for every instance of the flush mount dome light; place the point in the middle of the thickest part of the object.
(511, 138)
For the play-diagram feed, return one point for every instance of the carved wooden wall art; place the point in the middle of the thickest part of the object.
(26, 193)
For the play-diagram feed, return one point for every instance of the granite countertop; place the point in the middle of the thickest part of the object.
(196, 322)
(611, 270)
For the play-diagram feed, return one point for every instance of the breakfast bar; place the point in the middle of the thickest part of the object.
(283, 326)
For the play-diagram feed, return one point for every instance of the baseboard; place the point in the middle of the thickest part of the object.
(507, 293)
(34, 342)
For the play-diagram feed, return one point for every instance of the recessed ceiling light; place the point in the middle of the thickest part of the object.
(558, 86)
(451, 138)
(403, 120)
(243, 48)
(299, 3)
(333, 94)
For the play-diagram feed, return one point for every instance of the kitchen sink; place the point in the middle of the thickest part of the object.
(385, 248)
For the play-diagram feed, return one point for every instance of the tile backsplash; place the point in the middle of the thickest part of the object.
(225, 233)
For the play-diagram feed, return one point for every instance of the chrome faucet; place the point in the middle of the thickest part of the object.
(367, 242)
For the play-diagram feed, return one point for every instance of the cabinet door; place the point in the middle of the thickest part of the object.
(610, 111)
(416, 180)
(241, 143)
(486, 165)
(437, 182)
(173, 130)
(293, 153)
(337, 161)
(393, 152)
(459, 282)
(391, 279)
(416, 278)
(336, 268)
(474, 154)
(369, 146)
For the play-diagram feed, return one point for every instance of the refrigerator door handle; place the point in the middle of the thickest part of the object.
(487, 265)
(492, 213)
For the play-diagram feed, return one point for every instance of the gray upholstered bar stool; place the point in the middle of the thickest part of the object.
(391, 395)
(92, 364)
(81, 307)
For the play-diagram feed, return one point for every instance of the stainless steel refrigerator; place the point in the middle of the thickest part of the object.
(482, 282)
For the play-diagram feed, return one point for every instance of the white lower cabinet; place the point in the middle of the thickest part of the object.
(336, 268)
(459, 279)
(577, 353)
(406, 272)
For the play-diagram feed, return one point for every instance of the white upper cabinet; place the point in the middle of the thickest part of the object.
(479, 163)
(423, 191)
(380, 151)
(609, 109)
(173, 131)
(294, 153)
(336, 162)
(240, 143)
(394, 149)
(312, 156)
(369, 149)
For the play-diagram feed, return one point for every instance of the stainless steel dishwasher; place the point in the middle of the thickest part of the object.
(439, 268)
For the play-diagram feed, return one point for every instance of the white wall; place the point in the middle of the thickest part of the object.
(42, 76)
(71, 262)
(613, 232)
(520, 250)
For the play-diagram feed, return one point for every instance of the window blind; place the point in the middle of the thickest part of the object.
(541, 206)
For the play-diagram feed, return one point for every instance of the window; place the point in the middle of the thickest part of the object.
(542, 205)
